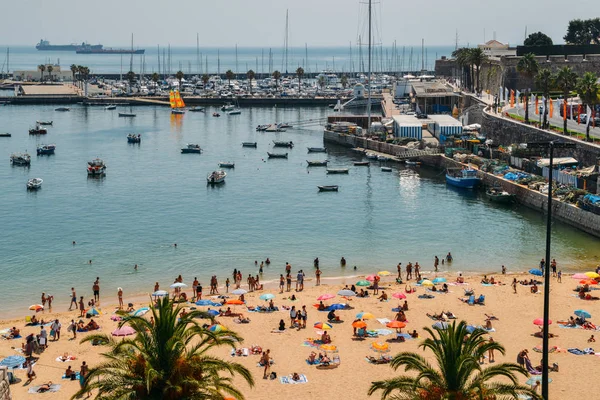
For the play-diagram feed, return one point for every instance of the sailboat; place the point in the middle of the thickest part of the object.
(176, 102)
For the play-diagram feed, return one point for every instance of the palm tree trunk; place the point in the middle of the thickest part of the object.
(587, 132)
(526, 108)
(545, 112)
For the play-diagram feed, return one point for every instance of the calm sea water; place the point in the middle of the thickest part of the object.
(153, 196)
(339, 59)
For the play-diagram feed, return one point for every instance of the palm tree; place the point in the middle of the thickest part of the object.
(250, 75)
(130, 76)
(477, 57)
(229, 75)
(587, 88)
(566, 80)
(205, 79)
(80, 70)
(155, 77)
(179, 75)
(170, 359)
(544, 81)
(300, 74)
(50, 68)
(528, 67)
(276, 76)
(344, 81)
(463, 61)
(73, 71)
(459, 374)
(42, 68)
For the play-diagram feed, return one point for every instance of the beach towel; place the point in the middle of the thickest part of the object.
(316, 362)
(530, 368)
(69, 358)
(53, 388)
(483, 328)
(576, 351)
(383, 321)
(312, 343)
(288, 379)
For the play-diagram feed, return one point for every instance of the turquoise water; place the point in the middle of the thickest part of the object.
(153, 196)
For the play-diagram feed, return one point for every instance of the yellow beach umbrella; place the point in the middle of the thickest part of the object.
(592, 275)
(384, 273)
(365, 315)
(328, 347)
(380, 347)
(426, 282)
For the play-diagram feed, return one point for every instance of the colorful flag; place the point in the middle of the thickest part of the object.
(537, 105)
(565, 110)
(579, 111)
(512, 98)
(589, 116)
(505, 94)
(551, 108)
(500, 94)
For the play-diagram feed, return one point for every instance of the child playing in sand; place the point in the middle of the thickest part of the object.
(591, 339)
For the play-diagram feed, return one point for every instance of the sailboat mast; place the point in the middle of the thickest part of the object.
(306, 56)
(198, 53)
(369, 75)
(158, 56)
(131, 60)
(218, 62)
(286, 39)
(422, 54)
(121, 74)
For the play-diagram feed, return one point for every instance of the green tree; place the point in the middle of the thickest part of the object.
(130, 76)
(50, 68)
(463, 61)
(179, 76)
(229, 75)
(528, 67)
(205, 80)
(74, 71)
(80, 71)
(170, 359)
(544, 82)
(321, 82)
(587, 88)
(344, 81)
(250, 75)
(42, 68)
(458, 374)
(566, 81)
(299, 74)
(476, 58)
(538, 39)
(276, 76)
(583, 32)
(155, 77)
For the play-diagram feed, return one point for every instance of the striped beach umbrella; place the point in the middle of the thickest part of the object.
(323, 326)
(365, 315)
(363, 283)
(326, 296)
(217, 328)
(36, 307)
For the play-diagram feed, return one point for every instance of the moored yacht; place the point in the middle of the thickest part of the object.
(96, 167)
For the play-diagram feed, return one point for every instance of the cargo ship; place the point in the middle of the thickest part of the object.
(91, 50)
(46, 46)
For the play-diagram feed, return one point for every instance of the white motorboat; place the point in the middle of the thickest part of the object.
(338, 170)
(371, 156)
(96, 167)
(217, 176)
(111, 107)
(62, 109)
(236, 111)
(227, 164)
(382, 158)
(192, 148)
(34, 183)
(228, 107)
(386, 169)
(45, 149)
(177, 111)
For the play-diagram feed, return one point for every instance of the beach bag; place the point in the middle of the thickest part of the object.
(273, 375)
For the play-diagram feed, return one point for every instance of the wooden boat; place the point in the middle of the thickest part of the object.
(5, 135)
(111, 107)
(317, 150)
(216, 177)
(96, 167)
(126, 115)
(277, 155)
(133, 138)
(498, 195)
(20, 159)
(462, 178)
(277, 143)
(34, 183)
(62, 109)
(361, 163)
(328, 188)
(338, 170)
(197, 109)
(46, 149)
(386, 169)
(38, 130)
(317, 163)
(226, 164)
(249, 144)
(44, 122)
(191, 148)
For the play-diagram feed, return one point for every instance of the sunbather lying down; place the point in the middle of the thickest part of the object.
(541, 334)
(382, 360)
(442, 316)
(44, 387)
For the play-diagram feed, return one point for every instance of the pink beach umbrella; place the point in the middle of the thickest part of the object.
(325, 296)
(540, 321)
(399, 296)
(580, 276)
(370, 278)
(124, 331)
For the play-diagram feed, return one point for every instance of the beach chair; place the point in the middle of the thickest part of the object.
(471, 300)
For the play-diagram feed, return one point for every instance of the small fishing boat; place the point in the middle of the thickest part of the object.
(277, 143)
(44, 122)
(177, 111)
(216, 177)
(284, 125)
(361, 163)
(274, 128)
(358, 150)
(20, 159)
(498, 195)
(226, 164)
(317, 149)
(249, 144)
(317, 163)
(262, 128)
(382, 158)
(328, 188)
(277, 155)
(462, 178)
(386, 169)
(227, 107)
(338, 170)
(62, 109)
(111, 107)
(38, 130)
(197, 109)
(5, 135)
(191, 148)
(413, 163)
(96, 167)
(215, 114)
(34, 183)
(46, 149)
(126, 115)
(237, 111)
(371, 156)
(133, 138)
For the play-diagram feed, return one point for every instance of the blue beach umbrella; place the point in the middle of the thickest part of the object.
(12, 361)
(336, 306)
(267, 296)
(141, 311)
(204, 303)
(440, 325)
(471, 328)
(92, 312)
(346, 292)
(439, 280)
(536, 272)
(583, 314)
(213, 312)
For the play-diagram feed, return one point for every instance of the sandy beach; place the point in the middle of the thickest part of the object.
(513, 329)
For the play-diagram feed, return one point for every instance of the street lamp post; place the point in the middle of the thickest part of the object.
(550, 146)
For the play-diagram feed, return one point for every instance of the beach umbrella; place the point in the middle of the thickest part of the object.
(336, 306)
(592, 275)
(384, 273)
(124, 331)
(583, 314)
(371, 278)
(471, 328)
(326, 296)
(239, 292)
(36, 307)
(536, 378)
(536, 272)
(426, 282)
(160, 293)
(540, 322)
(92, 311)
(439, 280)
(363, 283)
(214, 313)
(12, 361)
(588, 282)
(580, 276)
(399, 296)
(396, 324)
(178, 285)
(359, 324)
(140, 311)
(346, 292)
(380, 347)
(328, 347)
(267, 296)
(235, 302)
(206, 303)
(323, 326)
(440, 325)
(365, 315)
(217, 328)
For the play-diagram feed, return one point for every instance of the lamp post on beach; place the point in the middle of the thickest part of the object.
(550, 146)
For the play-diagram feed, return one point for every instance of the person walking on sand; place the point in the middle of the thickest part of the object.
(81, 307)
(303, 316)
(194, 286)
(399, 267)
(266, 362)
(288, 282)
(491, 351)
(436, 262)
(73, 299)
(293, 315)
(96, 289)
(73, 328)
(318, 276)
(281, 283)
(409, 271)
(120, 296)
(514, 285)
(227, 285)
(56, 325)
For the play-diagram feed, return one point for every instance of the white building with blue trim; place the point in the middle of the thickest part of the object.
(408, 126)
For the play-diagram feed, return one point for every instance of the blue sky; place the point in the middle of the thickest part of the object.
(262, 22)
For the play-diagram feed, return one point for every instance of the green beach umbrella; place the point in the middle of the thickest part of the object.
(363, 283)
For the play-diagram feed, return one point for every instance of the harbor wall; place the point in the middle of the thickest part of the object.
(4, 384)
(355, 141)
